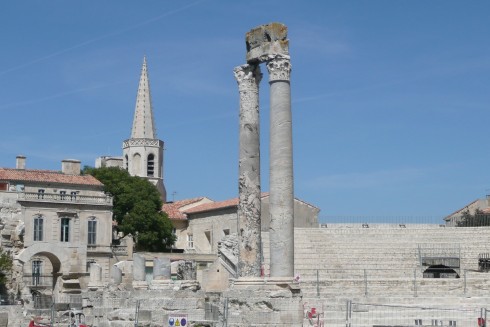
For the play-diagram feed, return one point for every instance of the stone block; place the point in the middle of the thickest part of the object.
(139, 273)
(266, 41)
(161, 269)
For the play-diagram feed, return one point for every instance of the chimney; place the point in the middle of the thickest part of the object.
(20, 162)
(70, 167)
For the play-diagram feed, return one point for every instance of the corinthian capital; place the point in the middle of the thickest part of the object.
(279, 68)
(247, 76)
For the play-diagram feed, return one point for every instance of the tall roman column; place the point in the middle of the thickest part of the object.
(281, 168)
(249, 227)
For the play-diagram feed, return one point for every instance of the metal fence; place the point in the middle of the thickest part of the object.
(376, 315)
(400, 282)
(399, 219)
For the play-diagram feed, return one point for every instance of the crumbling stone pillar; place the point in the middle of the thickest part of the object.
(281, 169)
(249, 240)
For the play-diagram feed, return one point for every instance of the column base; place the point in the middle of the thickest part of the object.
(270, 301)
(159, 284)
(140, 285)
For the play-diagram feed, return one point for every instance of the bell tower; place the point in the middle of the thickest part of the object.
(143, 151)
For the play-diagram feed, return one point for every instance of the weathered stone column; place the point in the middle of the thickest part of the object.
(281, 168)
(249, 240)
(116, 275)
(139, 273)
(161, 269)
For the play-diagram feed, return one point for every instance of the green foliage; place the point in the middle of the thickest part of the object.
(474, 220)
(137, 208)
(5, 266)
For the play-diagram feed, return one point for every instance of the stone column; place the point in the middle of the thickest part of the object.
(95, 276)
(161, 269)
(249, 227)
(281, 168)
(139, 273)
(95, 273)
(116, 275)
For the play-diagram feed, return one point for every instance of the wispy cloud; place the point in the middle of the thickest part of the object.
(102, 37)
(320, 40)
(58, 95)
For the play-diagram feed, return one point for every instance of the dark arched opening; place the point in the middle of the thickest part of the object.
(440, 271)
(150, 168)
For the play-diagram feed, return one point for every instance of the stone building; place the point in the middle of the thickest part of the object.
(55, 224)
(207, 230)
(482, 205)
(203, 223)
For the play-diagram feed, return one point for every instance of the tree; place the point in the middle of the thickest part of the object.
(137, 208)
(479, 218)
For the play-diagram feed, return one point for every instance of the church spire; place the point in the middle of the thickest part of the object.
(143, 125)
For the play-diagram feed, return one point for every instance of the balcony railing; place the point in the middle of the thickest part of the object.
(120, 249)
(38, 280)
(97, 248)
(65, 198)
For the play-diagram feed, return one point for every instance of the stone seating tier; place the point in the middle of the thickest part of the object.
(377, 265)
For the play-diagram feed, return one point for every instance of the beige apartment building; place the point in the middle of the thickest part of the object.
(56, 224)
(200, 223)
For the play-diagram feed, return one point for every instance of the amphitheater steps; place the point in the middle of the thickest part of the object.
(381, 266)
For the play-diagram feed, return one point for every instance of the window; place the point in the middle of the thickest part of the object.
(226, 232)
(73, 196)
(190, 241)
(62, 195)
(40, 193)
(38, 228)
(92, 232)
(37, 266)
(150, 169)
(65, 230)
(127, 163)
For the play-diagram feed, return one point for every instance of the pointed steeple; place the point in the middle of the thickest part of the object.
(143, 124)
(143, 151)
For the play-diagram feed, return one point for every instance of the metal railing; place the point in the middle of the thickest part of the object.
(386, 315)
(120, 250)
(65, 198)
(392, 219)
(38, 280)
(317, 283)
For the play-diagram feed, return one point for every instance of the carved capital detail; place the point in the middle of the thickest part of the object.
(279, 68)
(248, 77)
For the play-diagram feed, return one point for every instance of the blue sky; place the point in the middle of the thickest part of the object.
(390, 99)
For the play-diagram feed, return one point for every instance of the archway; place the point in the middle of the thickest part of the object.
(440, 271)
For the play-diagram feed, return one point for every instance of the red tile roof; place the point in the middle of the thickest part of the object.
(172, 209)
(46, 176)
(217, 205)
(213, 206)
